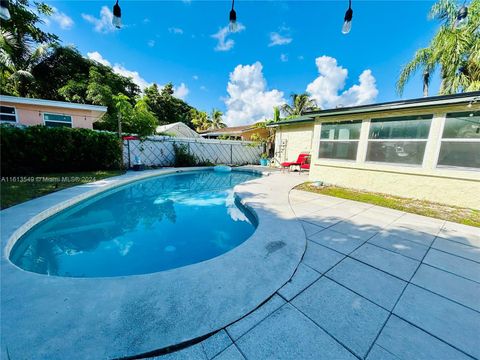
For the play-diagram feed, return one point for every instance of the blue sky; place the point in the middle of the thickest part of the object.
(282, 47)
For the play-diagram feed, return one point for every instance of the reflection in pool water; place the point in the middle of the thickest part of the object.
(144, 227)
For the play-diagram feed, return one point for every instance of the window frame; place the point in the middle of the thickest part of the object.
(16, 115)
(56, 121)
(425, 140)
(360, 122)
(459, 140)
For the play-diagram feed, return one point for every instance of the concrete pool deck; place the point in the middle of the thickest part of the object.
(373, 283)
(52, 317)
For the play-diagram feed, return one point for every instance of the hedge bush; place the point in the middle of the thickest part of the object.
(41, 149)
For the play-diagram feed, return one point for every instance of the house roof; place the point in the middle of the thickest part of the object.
(52, 103)
(298, 119)
(430, 101)
(178, 129)
(234, 130)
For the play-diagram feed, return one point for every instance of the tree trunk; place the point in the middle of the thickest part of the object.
(426, 80)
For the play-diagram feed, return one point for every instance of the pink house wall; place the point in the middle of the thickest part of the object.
(33, 114)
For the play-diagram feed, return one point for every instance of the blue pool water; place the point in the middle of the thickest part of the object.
(148, 226)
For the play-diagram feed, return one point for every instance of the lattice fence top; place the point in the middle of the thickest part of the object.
(159, 151)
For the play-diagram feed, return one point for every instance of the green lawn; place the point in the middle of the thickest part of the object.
(15, 190)
(440, 211)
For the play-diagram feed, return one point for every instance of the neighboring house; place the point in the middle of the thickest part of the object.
(27, 111)
(177, 129)
(427, 148)
(244, 132)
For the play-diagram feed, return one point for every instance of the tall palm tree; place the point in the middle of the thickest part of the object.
(216, 121)
(454, 50)
(300, 104)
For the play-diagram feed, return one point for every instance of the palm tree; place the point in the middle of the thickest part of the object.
(454, 50)
(200, 120)
(300, 104)
(276, 114)
(18, 69)
(216, 121)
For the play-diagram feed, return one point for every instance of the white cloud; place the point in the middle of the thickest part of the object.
(326, 88)
(248, 99)
(120, 69)
(224, 43)
(98, 58)
(195, 77)
(104, 23)
(203, 88)
(134, 75)
(151, 43)
(278, 39)
(283, 57)
(181, 91)
(175, 30)
(63, 20)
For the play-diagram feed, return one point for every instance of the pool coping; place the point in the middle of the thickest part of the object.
(130, 315)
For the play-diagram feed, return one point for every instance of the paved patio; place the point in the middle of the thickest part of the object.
(374, 284)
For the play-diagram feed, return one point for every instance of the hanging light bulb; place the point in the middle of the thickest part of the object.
(4, 13)
(233, 19)
(462, 14)
(117, 16)
(347, 23)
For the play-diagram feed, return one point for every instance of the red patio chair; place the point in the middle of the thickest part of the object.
(299, 162)
(305, 164)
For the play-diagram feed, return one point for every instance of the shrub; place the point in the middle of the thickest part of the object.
(183, 156)
(41, 149)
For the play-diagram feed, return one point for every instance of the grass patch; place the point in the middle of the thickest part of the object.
(15, 190)
(421, 207)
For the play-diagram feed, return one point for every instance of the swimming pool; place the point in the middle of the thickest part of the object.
(143, 227)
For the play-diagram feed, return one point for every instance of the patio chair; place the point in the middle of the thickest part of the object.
(305, 165)
(288, 165)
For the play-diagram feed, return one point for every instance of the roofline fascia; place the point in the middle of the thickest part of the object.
(52, 103)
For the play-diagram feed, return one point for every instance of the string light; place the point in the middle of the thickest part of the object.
(117, 16)
(233, 18)
(347, 22)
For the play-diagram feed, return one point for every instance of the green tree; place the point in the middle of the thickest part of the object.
(17, 72)
(276, 114)
(300, 104)
(23, 45)
(454, 51)
(200, 120)
(167, 108)
(136, 119)
(72, 74)
(216, 121)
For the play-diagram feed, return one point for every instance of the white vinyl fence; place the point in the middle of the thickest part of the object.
(159, 151)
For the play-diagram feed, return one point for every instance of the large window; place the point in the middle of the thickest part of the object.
(8, 114)
(339, 140)
(461, 140)
(57, 120)
(400, 140)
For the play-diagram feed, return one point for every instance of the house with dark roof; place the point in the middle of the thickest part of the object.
(427, 148)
